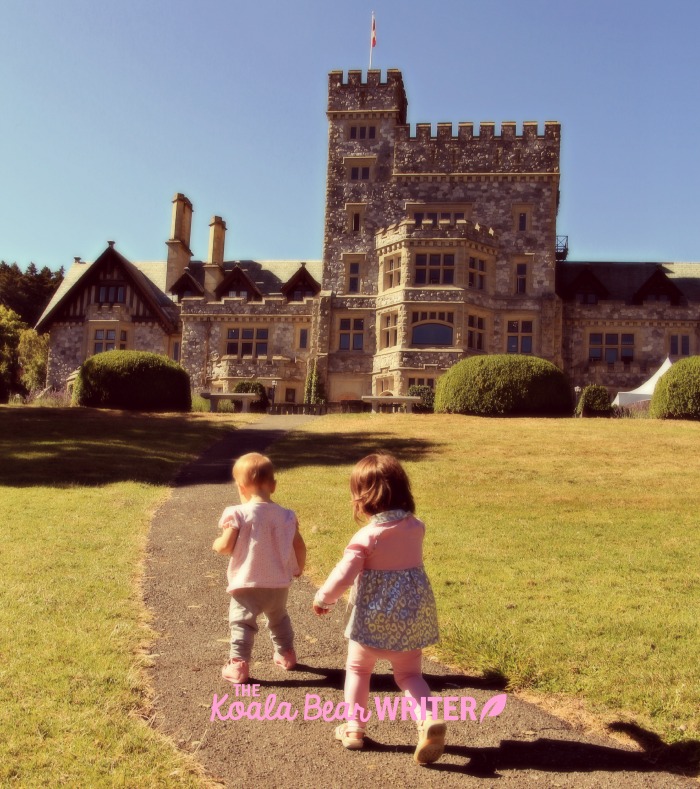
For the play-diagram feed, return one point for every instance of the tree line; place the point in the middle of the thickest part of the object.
(23, 352)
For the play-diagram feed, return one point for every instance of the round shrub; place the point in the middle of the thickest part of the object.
(594, 401)
(427, 397)
(134, 381)
(677, 392)
(503, 384)
(260, 405)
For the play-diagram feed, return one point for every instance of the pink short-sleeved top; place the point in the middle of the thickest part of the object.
(263, 556)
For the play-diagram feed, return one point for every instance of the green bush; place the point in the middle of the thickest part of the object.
(503, 384)
(677, 392)
(427, 396)
(594, 401)
(134, 381)
(260, 405)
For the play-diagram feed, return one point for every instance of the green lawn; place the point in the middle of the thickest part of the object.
(77, 489)
(565, 554)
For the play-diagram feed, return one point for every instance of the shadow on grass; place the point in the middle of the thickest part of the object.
(61, 447)
(339, 449)
(296, 450)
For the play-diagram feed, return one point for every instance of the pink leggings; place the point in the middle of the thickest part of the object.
(359, 667)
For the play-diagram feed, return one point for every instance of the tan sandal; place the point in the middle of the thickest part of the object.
(352, 738)
(431, 741)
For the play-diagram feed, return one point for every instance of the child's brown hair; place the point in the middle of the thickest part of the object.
(253, 470)
(379, 483)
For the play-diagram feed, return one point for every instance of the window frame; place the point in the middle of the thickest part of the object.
(523, 334)
(353, 334)
(243, 336)
(432, 265)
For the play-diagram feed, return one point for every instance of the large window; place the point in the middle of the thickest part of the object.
(679, 345)
(434, 269)
(476, 333)
(519, 337)
(106, 340)
(248, 341)
(389, 329)
(476, 275)
(351, 334)
(432, 328)
(392, 272)
(111, 293)
(422, 382)
(610, 347)
(363, 132)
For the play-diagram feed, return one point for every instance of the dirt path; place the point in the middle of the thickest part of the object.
(185, 590)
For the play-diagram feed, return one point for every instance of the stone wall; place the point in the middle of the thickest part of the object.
(65, 352)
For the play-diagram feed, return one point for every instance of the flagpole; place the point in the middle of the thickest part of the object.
(371, 41)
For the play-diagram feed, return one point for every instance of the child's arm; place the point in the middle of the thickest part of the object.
(299, 551)
(342, 576)
(225, 543)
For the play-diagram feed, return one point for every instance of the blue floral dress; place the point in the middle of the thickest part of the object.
(393, 609)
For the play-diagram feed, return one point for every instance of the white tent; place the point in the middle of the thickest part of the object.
(645, 391)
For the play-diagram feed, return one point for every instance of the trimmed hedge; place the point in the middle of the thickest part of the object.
(427, 396)
(133, 381)
(260, 405)
(677, 392)
(594, 401)
(504, 385)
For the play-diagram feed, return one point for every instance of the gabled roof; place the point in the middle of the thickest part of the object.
(658, 284)
(236, 278)
(187, 282)
(629, 282)
(268, 276)
(81, 274)
(584, 282)
(301, 278)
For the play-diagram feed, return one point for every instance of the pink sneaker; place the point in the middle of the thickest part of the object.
(286, 660)
(236, 671)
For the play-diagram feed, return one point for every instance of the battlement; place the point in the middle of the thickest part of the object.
(371, 94)
(487, 131)
(467, 152)
(408, 229)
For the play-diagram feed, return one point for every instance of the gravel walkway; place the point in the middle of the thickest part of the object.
(185, 590)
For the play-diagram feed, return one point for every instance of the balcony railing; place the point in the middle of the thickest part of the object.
(562, 247)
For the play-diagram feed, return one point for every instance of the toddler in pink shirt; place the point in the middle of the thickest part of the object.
(266, 551)
(393, 608)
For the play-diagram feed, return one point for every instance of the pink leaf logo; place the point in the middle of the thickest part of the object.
(494, 707)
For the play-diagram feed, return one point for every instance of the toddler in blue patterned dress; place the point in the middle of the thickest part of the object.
(393, 616)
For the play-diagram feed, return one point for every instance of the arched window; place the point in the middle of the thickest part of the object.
(431, 334)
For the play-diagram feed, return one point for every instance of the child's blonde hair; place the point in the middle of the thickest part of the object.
(379, 483)
(253, 470)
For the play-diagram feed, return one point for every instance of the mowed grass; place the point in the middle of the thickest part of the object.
(564, 554)
(77, 489)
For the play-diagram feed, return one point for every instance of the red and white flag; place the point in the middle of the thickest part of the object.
(374, 32)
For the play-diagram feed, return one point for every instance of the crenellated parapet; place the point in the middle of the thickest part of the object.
(465, 152)
(462, 229)
(370, 95)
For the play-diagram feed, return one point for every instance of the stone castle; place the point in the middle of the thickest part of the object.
(437, 245)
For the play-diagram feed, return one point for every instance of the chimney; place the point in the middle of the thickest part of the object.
(213, 268)
(217, 236)
(179, 253)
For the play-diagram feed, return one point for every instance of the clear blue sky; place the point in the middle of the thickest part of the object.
(109, 108)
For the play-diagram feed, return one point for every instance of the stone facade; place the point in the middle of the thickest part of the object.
(438, 244)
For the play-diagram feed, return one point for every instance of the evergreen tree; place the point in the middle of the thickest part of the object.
(27, 293)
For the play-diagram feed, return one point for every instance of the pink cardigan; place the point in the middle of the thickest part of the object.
(396, 545)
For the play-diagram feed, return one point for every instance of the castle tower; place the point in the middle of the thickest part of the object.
(438, 245)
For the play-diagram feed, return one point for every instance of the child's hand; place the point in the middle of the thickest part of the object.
(320, 611)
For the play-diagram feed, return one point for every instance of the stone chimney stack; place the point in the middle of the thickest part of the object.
(179, 253)
(214, 267)
(217, 236)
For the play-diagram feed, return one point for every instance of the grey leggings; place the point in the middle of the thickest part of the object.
(244, 610)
